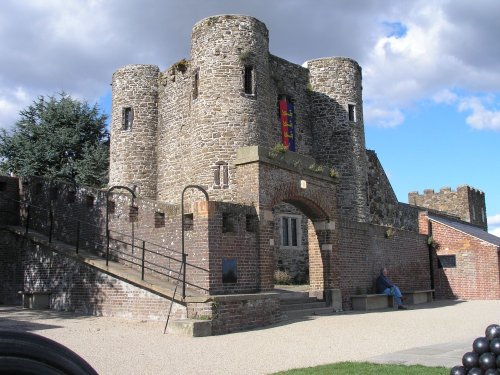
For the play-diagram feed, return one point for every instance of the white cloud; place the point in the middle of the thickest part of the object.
(445, 96)
(494, 220)
(495, 231)
(438, 51)
(481, 118)
(494, 225)
(383, 117)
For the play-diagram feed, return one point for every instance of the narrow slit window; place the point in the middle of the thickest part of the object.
(127, 118)
(221, 175)
(196, 81)
(227, 223)
(351, 109)
(249, 80)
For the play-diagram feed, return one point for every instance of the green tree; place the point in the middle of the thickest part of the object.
(58, 136)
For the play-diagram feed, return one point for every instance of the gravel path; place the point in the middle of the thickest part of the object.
(115, 346)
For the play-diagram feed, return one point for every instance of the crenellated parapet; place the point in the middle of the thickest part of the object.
(465, 202)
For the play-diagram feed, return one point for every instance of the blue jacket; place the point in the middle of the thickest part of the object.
(383, 283)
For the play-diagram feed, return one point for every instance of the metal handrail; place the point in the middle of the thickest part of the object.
(143, 263)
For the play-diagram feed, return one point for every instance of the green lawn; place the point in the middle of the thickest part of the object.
(364, 368)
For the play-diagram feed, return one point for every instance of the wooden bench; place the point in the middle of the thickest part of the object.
(36, 300)
(418, 296)
(367, 302)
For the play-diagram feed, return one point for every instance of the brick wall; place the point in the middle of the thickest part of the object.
(365, 249)
(74, 286)
(477, 271)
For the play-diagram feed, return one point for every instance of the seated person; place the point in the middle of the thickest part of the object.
(384, 286)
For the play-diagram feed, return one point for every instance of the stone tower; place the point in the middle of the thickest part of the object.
(466, 203)
(228, 99)
(133, 128)
(338, 129)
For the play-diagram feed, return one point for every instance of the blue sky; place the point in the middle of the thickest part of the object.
(431, 70)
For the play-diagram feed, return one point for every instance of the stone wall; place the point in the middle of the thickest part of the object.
(339, 141)
(132, 150)
(384, 206)
(466, 203)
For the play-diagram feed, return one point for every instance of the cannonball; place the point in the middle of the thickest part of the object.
(470, 360)
(492, 331)
(481, 345)
(487, 360)
(495, 346)
(458, 370)
(475, 371)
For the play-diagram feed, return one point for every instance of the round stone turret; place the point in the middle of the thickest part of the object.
(337, 118)
(133, 128)
(229, 105)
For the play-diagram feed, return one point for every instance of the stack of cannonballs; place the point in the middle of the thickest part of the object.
(485, 356)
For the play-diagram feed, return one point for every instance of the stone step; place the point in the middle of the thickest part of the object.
(302, 305)
(190, 327)
(306, 313)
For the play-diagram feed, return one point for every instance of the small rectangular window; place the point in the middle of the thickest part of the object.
(290, 231)
(127, 118)
(249, 80)
(111, 207)
(351, 109)
(447, 261)
(227, 223)
(159, 219)
(188, 222)
(229, 271)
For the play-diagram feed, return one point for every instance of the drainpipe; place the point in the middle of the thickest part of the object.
(431, 251)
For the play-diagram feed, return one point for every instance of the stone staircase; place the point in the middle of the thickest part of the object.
(297, 305)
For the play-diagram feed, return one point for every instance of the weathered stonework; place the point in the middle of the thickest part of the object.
(190, 120)
(466, 203)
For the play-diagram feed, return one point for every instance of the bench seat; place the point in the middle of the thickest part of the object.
(365, 302)
(415, 297)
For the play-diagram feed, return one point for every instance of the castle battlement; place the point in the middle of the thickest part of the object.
(466, 202)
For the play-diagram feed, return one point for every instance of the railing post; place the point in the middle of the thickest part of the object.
(77, 235)
(107, 247)
(143, 256)
(184, 256)
(27, 219)
(51, 225)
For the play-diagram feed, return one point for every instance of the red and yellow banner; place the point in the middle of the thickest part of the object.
(287, 118)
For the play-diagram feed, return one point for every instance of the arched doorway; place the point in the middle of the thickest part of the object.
(302, 245)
